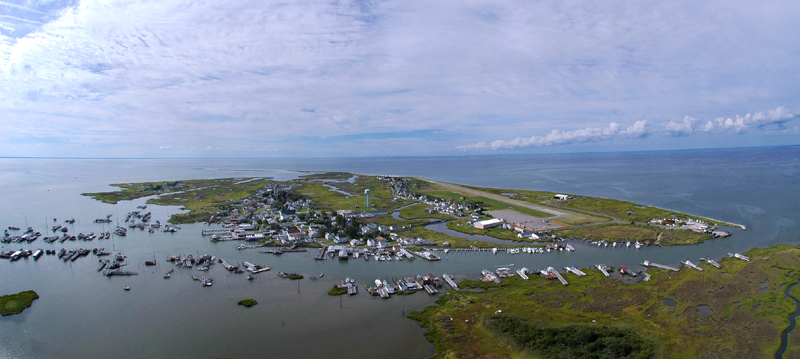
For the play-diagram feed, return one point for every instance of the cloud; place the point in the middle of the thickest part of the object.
(165, 148)
(133, 73)
(777, 118)
(640, 129)
(556, 137)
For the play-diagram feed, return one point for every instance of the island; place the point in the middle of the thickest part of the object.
(15, 303)
(342, 207)
(249, 302)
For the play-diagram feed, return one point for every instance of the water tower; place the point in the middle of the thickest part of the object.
(366, 198)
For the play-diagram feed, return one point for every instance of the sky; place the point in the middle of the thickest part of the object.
(191, 78)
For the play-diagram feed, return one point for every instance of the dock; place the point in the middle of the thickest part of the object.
(217, 231)
(575, 271)
(321, 253)
(558, 275)
(523, 273)
(602, 269)
(712, 262)
(651, 264)
(740, 256)
(450, 281)
(690, 264)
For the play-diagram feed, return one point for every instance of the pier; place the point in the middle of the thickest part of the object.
(651, 264)
(450, 281)
(603, 269)
(523, 273)
(690, 264)
(712, 262)
(216, 231)
(558, 275)
(575, 271)
(321, 253)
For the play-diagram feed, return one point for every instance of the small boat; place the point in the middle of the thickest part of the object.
(13, 228)
(250, 277)
(126, 288)
(321, 274)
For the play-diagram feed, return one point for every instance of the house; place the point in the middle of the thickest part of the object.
(562, 197)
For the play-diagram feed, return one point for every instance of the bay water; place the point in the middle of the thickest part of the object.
(82, 313)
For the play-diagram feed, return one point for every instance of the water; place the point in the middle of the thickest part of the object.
(84, 314)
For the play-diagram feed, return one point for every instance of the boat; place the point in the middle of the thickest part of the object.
(13, 228)
(250, 277)
(126, 288)
(321, 274)
(638, 245)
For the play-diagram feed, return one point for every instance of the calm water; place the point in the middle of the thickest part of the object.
(84, 314)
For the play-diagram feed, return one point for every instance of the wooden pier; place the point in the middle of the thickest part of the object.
(690, 264)
(216, 231)
(575, 271)
(321, 253)
(712, 262)
(558, 275)
(651, 264)
(450, 281)
(602, 269)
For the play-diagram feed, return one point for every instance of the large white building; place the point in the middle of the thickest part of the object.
(489, 223)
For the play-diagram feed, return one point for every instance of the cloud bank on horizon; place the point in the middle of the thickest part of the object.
(123, 78)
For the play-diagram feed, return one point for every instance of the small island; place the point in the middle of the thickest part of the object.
(15, 303)
(249, 302)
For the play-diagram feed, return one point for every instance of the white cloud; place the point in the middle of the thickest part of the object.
(640, 129)
(777, 118)
(129, 73)
(556, 137)
(165, 148)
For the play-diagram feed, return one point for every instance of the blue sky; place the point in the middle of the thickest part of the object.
(188, 78)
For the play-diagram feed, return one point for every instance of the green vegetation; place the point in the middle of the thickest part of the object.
(419, 211)
(587, 217)
(337, 291)
(746, 300)
(572, 340)
(249, 302)
(15, 303)
(325, 199)
(295, 276)
(629, 232)
(203, 202)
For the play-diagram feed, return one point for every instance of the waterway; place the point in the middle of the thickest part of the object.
(792, 323)
(81, 313)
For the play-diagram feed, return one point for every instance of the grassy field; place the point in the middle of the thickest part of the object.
(439, 238)
(417, 211)
(131, 191)
(15, 303)
(202, 202)
(324, 199)
(439, 191)
(748, 310)
(627, 232)
(496, 232)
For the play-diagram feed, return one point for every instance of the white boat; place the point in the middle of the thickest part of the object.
(628, 244)
(494, 250)
(638, 245)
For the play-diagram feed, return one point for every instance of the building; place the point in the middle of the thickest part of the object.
(489, 223)
(562, 197)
